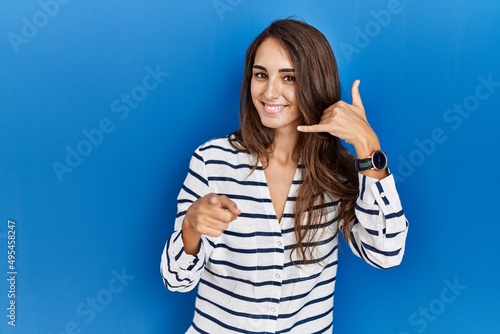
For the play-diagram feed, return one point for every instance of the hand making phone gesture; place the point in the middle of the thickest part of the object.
(348, 122)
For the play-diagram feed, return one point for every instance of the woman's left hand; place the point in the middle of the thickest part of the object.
(348, 122)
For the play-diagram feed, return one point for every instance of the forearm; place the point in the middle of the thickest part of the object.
(380, 232)
(180, 271)
(190, 238)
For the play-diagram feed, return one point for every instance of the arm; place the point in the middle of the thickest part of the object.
(181, 271)
(379, 231)
(201, 216)
(380, 228)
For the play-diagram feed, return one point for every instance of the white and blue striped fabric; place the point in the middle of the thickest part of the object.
(246, 281)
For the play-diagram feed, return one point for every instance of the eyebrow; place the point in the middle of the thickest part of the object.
(280, 70)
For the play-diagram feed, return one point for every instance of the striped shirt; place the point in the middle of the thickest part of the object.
(246, 281)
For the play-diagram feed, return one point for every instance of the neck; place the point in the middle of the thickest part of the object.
(285, 147)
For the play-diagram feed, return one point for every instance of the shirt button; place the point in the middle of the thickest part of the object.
(277, 275)
(273, 309)
(279, 243)
(382, 194)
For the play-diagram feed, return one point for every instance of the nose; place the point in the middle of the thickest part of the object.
(272, 89)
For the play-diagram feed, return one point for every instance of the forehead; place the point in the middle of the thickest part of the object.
(271, 54)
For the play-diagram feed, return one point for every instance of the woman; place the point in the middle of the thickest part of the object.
(260, 210)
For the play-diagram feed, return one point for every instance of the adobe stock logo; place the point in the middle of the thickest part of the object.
(48, 10)
(364, 36)
(427, 314)
(454, 117)
(89, 309)
(222, 6)
(122, 107)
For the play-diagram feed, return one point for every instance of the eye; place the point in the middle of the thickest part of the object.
(260, 75)
(289, 78)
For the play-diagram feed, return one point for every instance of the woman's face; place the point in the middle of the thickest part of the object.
(273, 87)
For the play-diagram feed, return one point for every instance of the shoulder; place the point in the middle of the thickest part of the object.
(219, 146)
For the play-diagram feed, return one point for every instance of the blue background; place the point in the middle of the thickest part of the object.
(111, 214)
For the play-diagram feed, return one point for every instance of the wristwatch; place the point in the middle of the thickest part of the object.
(377, 161)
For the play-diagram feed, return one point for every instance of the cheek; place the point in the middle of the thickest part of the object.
(253, 89)
(290, 94)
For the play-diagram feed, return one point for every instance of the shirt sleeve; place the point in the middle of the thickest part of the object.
(379, 231)
(182, 271)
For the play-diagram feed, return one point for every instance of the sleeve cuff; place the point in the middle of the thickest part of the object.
(382, 193)
(184, 261)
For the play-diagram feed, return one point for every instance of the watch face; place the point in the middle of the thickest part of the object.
(379, 160)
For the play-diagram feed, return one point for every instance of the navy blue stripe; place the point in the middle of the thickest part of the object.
(224, 325)
(184, 200)
(195, 261)
(180, 214)
(302, 295)
(324, 330)
(376, 250)
(198, 176)
(318, 226)
(367, 258)
(311, 302)
(218, 148)
(229, 179)
(302, 279)
(238, 279)
(395, 214)
(316, 260)
(363, 185)
(367, 211)
(238, 314)
(315, 243)
(178, 279)
(372, 232)
(225, 163)
(257, 216)
(250, 251)
(242, 268)
(354, 244)
(381, 190)
(256, 233)
(199, 157)
(239, 297)
(199, 329)
(249, 198)
(392, 235)
(306, 320)
(189, 191)
(210, 242)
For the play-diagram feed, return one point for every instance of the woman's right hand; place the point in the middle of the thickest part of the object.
(209, 215)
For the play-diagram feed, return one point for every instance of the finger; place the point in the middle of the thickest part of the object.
(213, 231)
(213, 199)
(313, 128)
(217, 224)
(229, 205)
(327, 114)
(356, 97)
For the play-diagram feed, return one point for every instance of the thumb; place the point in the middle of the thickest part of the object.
(356, 97)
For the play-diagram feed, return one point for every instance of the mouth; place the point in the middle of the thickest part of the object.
(273, 108)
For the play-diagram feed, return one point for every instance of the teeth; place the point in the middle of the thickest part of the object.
(274, 108)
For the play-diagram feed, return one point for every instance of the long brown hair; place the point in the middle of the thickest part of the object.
(328, 166)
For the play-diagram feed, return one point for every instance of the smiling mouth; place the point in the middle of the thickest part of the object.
(273, 108)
